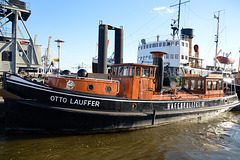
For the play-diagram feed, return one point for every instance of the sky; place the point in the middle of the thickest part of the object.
(76, 22)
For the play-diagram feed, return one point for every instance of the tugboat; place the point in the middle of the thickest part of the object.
(128, 98)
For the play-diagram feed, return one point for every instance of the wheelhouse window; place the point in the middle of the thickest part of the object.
(152, 72)
(125, 71)
(120, 71)
(138, 69)
(131, 69)
(114, 71)
(145, 72)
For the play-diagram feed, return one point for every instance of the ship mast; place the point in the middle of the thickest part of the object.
(173, 26)
(217, 17)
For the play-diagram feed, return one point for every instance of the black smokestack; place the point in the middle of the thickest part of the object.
(102, 48)
(158, 59)
(118, 46)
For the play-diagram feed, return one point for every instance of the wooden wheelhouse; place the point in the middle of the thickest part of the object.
(209, 87)
(137, 81)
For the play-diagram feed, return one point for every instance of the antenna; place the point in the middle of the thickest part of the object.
(173, 26)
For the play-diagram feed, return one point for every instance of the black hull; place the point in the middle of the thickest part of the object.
(47, 109)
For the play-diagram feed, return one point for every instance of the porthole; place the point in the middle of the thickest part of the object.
(90, 87)
(70, 84)
(108, 89)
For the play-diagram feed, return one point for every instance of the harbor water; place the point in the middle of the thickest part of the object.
(209, 138)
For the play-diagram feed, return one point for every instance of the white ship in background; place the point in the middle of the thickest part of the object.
(182, 54)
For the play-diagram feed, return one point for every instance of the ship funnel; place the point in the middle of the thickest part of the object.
(103, 43)
(158, 59)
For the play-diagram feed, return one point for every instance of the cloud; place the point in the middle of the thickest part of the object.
(163, 10)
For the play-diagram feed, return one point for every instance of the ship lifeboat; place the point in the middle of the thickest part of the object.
(225, 60)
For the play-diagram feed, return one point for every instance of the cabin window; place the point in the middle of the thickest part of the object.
(168, 43)
(125, 71)
(220, 85)
(182, 43)
(167, 56)
(150, 56)
(114, 71)
(182, 56)
(120, 71)
(146, 46)
(130, 71)
(176, 56)
(160, 44)
(6, 56)
(186, 84)
(150, 45)
(186, 57)
(152, 72)
(172, 43)
(209, 85)
(155, 45)
(171, 56)
(186, 45)
(138, 69)
(177, 43)
(199, 85)
(214, 85)
(193, 84)
(164, 44)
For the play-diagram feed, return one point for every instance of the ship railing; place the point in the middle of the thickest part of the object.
(189, 96)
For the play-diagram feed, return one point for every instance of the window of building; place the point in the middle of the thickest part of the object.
(186, 57)
(186, 45)
(164, 44)
(147, 46)
(182, 56)
(6, 56)
(149, 57)
(160, 44)
(172, 43)
(168, 43)
(150, 45)
(139, 58)
(167, 56)
(139, 48)
(171, 56)
(182, 43)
